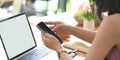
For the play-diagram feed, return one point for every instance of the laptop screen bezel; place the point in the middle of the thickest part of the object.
(31, 33)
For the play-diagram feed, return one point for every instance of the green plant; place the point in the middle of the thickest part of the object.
(87, 11)
(86, 15)
(91, 2)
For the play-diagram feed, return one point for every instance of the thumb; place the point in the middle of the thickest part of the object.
(47, 35)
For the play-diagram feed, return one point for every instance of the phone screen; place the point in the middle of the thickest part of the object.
(44, 29)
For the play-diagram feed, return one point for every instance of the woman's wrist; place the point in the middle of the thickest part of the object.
(63, 55)
(61, 51)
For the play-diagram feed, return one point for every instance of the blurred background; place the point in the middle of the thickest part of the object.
(37, 7)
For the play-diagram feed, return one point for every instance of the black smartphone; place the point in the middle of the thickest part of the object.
(45, 29)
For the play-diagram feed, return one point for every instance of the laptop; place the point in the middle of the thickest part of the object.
(18, 40)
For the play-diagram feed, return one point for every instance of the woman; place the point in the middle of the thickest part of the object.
(105, 42)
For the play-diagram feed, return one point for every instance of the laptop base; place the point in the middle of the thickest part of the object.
(35, 54)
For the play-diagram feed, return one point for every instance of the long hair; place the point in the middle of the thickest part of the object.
(112, 6)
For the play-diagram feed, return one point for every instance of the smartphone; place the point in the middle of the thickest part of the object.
(45, 29)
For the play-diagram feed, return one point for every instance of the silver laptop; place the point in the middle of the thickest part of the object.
(18, 40)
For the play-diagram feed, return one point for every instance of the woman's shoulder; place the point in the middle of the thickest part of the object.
(114, 16)
(115, 20)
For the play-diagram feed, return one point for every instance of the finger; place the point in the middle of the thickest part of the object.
(43, 37)
(47, 35)
(53, 23)
(51, 27)
(50, 23)
(54, 29)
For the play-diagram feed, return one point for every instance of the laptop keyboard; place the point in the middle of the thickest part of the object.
(36, 54)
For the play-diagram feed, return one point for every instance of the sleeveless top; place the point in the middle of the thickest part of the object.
(114, 54)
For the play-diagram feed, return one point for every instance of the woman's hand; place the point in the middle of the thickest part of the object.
(60, 28)
(51, 42)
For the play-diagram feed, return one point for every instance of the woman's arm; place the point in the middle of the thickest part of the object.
(105, 39)
(83, 34)
(62, 29)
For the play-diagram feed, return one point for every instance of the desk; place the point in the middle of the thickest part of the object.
(63, 17)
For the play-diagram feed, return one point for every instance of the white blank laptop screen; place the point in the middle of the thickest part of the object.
(16, 35)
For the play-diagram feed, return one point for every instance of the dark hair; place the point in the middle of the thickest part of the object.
(112, 6)
(32, 1)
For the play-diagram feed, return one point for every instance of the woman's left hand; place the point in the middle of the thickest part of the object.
(51, 42)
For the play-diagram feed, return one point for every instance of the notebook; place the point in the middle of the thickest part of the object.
(77, 45)
(18, 40)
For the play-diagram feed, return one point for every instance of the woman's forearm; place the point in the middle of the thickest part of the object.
(83, 34)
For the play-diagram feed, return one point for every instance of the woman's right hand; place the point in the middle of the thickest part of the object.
(51, 42)
(60, 28)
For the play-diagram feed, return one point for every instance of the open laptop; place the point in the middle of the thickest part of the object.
(18, 40)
